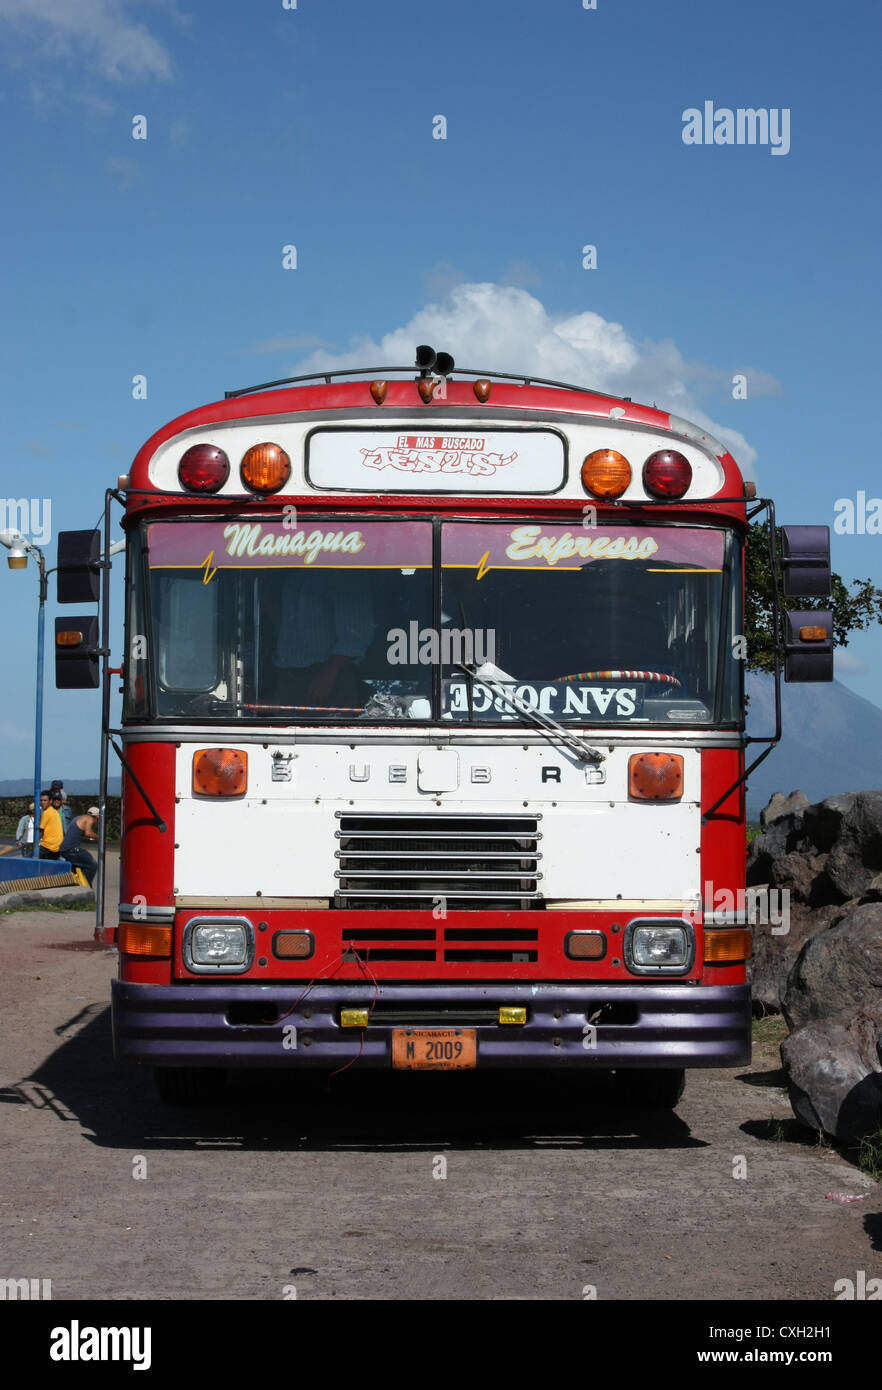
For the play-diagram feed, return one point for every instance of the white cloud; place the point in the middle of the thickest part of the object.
(101, 33)
(503, 328)
(847, 664)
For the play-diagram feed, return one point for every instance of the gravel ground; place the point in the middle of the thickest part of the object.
(283, 1191)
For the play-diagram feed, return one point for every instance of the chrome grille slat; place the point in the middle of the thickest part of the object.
(412, 859)
(433, 854)
(385, 875)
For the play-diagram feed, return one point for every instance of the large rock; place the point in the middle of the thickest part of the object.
(838, 970)
(784, 835)
(800, 875)
(834, 1069)
(856, 854)
(823, 822)
(774, 954)
(781, 805)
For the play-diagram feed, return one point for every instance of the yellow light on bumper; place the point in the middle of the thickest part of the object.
(512, 1013)
(354, 1018)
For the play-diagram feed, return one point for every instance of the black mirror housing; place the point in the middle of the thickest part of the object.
(805, 561)
(76, 653)
(808, 645)
(79, 573)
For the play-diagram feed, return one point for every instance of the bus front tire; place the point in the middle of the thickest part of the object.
(650, 1088)
(189, 1085)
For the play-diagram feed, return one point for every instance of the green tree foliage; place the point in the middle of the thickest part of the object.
(855, 606)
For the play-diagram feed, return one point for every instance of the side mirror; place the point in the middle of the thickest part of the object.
(79, 573)
(808, 645)
(76, 653)
(805, 561)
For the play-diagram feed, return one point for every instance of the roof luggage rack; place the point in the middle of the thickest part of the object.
(423, 365)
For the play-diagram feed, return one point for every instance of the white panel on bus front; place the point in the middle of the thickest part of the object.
(496, 456)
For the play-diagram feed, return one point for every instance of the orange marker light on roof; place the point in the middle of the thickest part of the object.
(606, 473)
(265, 468)
(655, 776)
(220, 772)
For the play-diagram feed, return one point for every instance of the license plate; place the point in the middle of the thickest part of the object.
(435, 1049)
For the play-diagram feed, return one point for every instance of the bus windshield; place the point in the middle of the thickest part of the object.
(355, 619)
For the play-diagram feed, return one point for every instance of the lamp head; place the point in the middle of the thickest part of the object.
(15, 543)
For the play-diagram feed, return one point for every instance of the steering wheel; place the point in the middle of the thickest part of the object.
(658, 676)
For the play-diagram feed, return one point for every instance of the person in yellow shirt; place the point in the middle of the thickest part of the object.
(51, 832)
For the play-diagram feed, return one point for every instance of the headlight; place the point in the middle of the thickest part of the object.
(222, 945)
(661, 947)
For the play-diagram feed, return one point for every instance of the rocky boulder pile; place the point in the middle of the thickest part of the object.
(820, 867)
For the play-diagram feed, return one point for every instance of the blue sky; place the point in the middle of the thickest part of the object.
(314, 127)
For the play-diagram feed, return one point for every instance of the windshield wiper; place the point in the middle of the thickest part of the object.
(491, 676)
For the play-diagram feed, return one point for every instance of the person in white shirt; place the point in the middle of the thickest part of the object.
(24, 834)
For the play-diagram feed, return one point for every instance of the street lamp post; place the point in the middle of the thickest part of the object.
(17, 559)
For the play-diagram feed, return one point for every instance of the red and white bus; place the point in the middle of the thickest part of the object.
(433, 733)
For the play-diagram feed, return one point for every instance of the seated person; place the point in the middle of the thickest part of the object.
(326, 625)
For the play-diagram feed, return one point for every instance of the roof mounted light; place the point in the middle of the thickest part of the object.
(667, 473)
(265, 468)
(606, 473)
(203, 468)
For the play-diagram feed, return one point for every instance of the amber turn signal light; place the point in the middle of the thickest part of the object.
(606, 473)
(293, 945)
(220, 772)
(265, 468)
(68, 639)
(722, 947)
(585, 945)
(139, 939)
(655, 776)
(811, 634)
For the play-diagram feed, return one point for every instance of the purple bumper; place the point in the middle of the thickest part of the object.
(589, 1026)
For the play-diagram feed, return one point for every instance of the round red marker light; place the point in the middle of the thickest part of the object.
(666, 473)
(203, 468)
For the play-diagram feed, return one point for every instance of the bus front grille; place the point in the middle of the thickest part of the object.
(466, 862)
